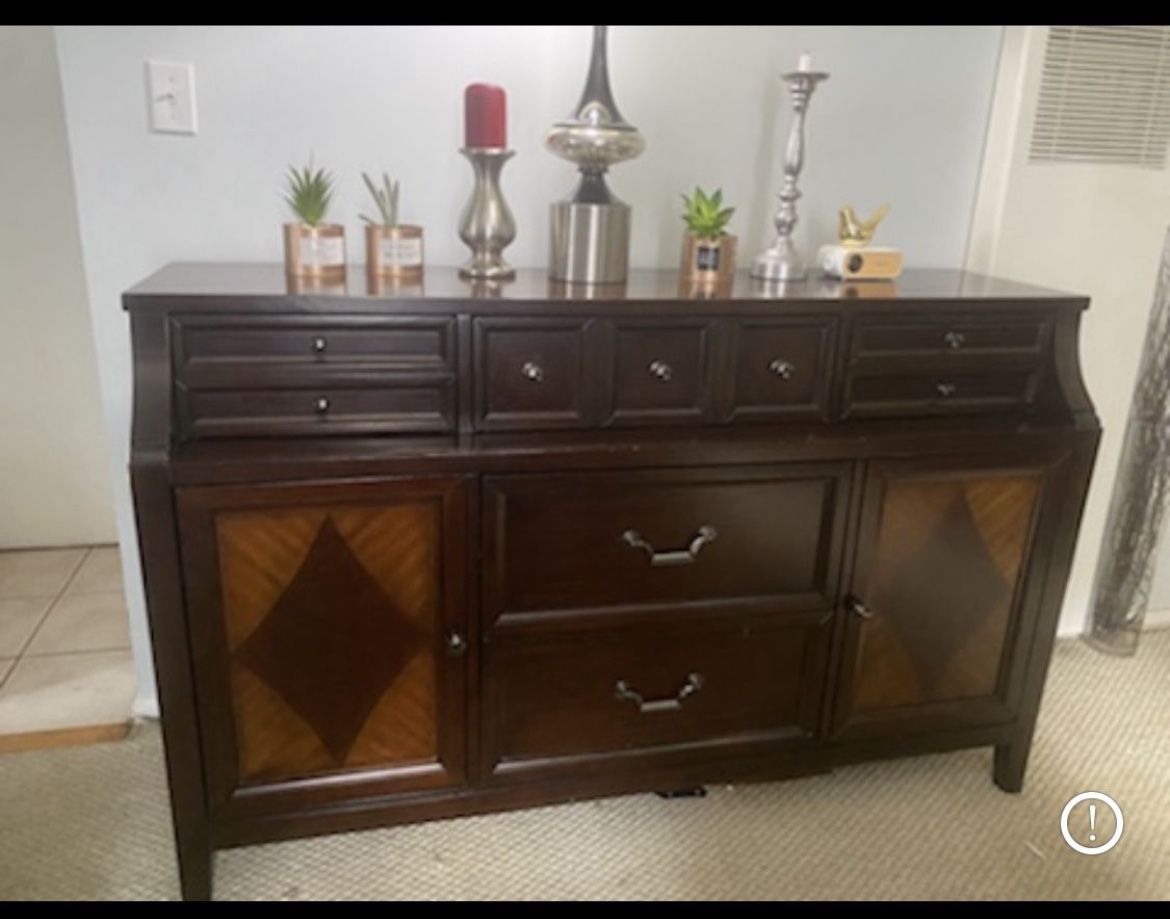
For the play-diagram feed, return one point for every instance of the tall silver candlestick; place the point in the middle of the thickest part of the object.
(782, 262)
(487, 225)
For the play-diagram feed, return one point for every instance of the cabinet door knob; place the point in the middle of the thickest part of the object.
(782, 368)
(321, 406)
(661, 371)
(534, 373)
(955, 340)
(319, 345)
(456, 643)
(858, 609)
(946, 390)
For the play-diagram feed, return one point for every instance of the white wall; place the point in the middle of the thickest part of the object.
(901, 120)
(1093, 229)
(54, 480)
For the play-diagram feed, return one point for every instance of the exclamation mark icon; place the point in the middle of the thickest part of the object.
(1092, 823)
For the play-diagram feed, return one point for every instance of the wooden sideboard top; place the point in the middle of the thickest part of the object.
(263, 287)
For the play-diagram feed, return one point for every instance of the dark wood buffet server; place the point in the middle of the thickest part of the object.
(422, 552)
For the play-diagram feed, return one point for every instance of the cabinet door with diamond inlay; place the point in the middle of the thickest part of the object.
(944, 550)
(329, 634)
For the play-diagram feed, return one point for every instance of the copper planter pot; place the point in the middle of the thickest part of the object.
(708, 262)
(394, 252)
(314, 252)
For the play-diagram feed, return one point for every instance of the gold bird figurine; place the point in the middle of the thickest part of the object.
(855, 233)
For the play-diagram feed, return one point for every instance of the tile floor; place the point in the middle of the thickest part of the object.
(64, 642)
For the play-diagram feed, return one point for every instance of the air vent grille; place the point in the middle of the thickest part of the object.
(1104, 96)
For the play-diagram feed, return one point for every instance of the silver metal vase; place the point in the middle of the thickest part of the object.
(487, 225)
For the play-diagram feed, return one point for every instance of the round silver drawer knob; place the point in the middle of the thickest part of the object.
(661, 371)
(946, 390)
(321, 406)
(533, 373)
(456, 643)
(782, 368)
(319, 345)
(955, 340)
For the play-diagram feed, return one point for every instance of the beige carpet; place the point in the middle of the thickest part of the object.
(94, 823)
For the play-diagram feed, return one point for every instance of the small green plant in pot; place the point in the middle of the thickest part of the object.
(708, 252)
(393, 249)
(312, 247)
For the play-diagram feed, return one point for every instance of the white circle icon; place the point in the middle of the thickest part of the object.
(1098, 847)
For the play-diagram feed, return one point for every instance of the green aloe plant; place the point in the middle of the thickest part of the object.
(705, 215)
(308, 193)
(386, 198)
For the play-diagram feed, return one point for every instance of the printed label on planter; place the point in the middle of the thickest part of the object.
(404, 252)
(707, 258)
(322, 251)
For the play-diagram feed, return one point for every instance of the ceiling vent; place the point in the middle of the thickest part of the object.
(1104, 96)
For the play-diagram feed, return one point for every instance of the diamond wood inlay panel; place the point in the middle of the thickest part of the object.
(330, 616)
(945, 570)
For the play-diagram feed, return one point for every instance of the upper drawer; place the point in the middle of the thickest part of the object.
(218, 350)
(586, 541)
(530, 373)
(662, 371)
(947, 332)
(782, 368)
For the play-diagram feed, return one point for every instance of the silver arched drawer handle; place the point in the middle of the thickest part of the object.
(693, 684)
(687, 556)
(946, 390)
(533, 373)
(321, 406)
(661, 371)
(782, 368)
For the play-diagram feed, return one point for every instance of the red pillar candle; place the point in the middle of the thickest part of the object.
(485, 116)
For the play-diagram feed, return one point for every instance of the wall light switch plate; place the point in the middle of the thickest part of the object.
(171, 97)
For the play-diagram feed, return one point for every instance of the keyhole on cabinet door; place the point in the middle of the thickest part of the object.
(1092, 823)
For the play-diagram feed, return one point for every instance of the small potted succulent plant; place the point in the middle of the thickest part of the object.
(312, 248)
(708, 253)
(393, 249)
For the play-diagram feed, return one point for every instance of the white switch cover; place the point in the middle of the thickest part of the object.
(171, 89)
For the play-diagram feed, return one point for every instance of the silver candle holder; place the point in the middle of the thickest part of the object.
(782, 262)
(487, 225)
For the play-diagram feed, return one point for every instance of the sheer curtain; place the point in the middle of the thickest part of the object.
(1126, 566)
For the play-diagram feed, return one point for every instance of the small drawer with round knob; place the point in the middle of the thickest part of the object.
(662, 371)
(218, 351)
(950, 333)
(781, 369)
(406, 408)
(529, 374)
(934, 393)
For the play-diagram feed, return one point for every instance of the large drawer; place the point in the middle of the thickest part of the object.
(763, 536)
(644, 687)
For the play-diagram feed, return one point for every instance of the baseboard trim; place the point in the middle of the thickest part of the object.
(63, 737)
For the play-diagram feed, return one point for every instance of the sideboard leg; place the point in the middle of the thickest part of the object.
(1011, 759)
(195, 865)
